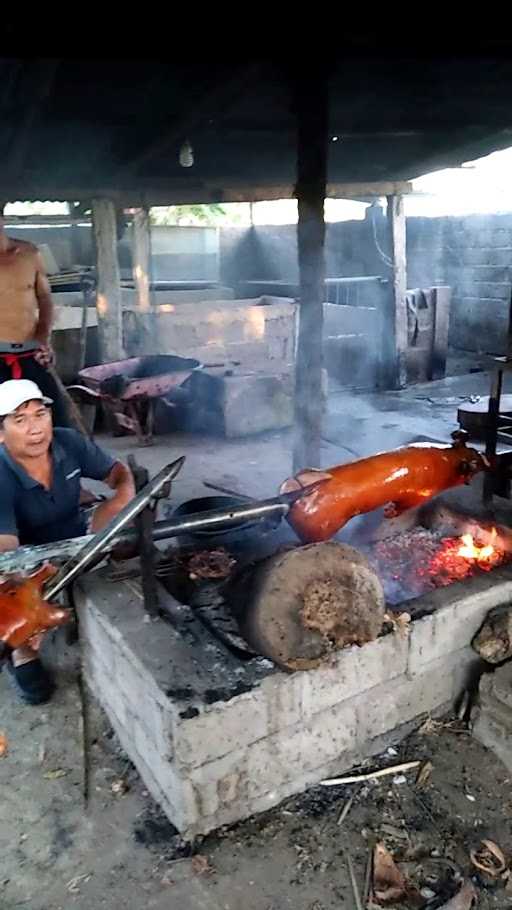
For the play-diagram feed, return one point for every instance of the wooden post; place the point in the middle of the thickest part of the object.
(312, 126)
(395, 322)
(108, 295)
(141, 258)
(441, 304)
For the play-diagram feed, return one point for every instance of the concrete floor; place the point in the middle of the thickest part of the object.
(58, 851)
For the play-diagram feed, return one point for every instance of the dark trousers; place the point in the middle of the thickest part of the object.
(32, 370)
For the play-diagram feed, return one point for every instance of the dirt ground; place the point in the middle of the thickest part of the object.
(78, 830)
(115, 849)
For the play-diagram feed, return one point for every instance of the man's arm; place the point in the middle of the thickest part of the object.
(120, 480)
(8, 542)
(45, 302)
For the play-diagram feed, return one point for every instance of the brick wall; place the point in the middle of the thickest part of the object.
(472, 254)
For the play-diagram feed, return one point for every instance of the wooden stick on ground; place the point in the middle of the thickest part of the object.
(357, 778)
(353, 880)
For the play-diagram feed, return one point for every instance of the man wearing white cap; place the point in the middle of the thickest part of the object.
(40, 471)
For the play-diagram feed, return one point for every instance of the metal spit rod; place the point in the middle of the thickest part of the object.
(26, 559)
(100, 541)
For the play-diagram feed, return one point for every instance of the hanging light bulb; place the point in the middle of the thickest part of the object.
(186, 154)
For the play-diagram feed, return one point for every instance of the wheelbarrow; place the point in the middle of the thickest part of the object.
(130, 388)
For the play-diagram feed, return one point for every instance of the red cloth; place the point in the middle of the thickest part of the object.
(13, 361)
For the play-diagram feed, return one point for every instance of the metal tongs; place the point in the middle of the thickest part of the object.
(77, 564)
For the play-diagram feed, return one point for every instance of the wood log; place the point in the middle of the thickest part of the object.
(299, 606)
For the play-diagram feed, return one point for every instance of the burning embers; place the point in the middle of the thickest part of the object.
(421, 560)
(486, 556)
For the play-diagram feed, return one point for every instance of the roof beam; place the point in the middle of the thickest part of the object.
(178, 193)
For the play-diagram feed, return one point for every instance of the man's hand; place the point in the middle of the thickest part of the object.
(44, 355)
(121, 481)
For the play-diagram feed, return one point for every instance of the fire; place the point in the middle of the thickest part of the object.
(469, 550)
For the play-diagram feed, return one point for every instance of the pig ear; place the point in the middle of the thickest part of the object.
(43, 573)
(311, 475)
(289, 486)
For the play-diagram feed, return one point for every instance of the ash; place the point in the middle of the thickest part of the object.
(418, 561)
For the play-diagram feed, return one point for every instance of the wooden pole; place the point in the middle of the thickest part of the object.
(312, 126)
(141, 258)
(395, 323)
(108, 295)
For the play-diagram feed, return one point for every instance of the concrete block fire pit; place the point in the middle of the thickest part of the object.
(217, 739)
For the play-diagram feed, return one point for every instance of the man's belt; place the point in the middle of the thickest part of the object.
(12, 353)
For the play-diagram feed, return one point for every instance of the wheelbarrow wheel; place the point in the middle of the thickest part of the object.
(298, 606)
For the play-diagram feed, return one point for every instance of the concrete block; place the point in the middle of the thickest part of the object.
(403, 699)
(299, 750)
(477, 256)
(492, 715)
(502, 685)
(283, 695)
(502, 257)
(455, 624)
(492, 273)
(226, 726)
(354, 670)
(220, 783)
(240, 404)
(494, 290)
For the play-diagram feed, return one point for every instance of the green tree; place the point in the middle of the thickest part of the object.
(204, 215)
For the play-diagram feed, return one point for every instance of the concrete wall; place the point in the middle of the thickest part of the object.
(472, 254)
(179, 253)
(260, 337)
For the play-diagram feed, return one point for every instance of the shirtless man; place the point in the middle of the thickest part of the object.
(26, 312)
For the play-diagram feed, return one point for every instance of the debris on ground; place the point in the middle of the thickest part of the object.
(493, 642)
(4, 746)
(424, 773)
(56, 773)
(201, 865)
(74, 883)
(119, 786)
(464, 900)
(389, 884)
(490, 861)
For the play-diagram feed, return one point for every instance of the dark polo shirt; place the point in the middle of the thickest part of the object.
(36, 515)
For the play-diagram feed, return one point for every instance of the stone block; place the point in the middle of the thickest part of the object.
(280, 758)
(225, 726)
(454, 625)
(502, 685)
(403, 699)
(494, 290)
(501, 257)
(241, 404)
(492, 714)
(477, 256)
(354, 670)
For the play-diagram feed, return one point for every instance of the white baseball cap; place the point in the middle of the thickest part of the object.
(17, 391)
